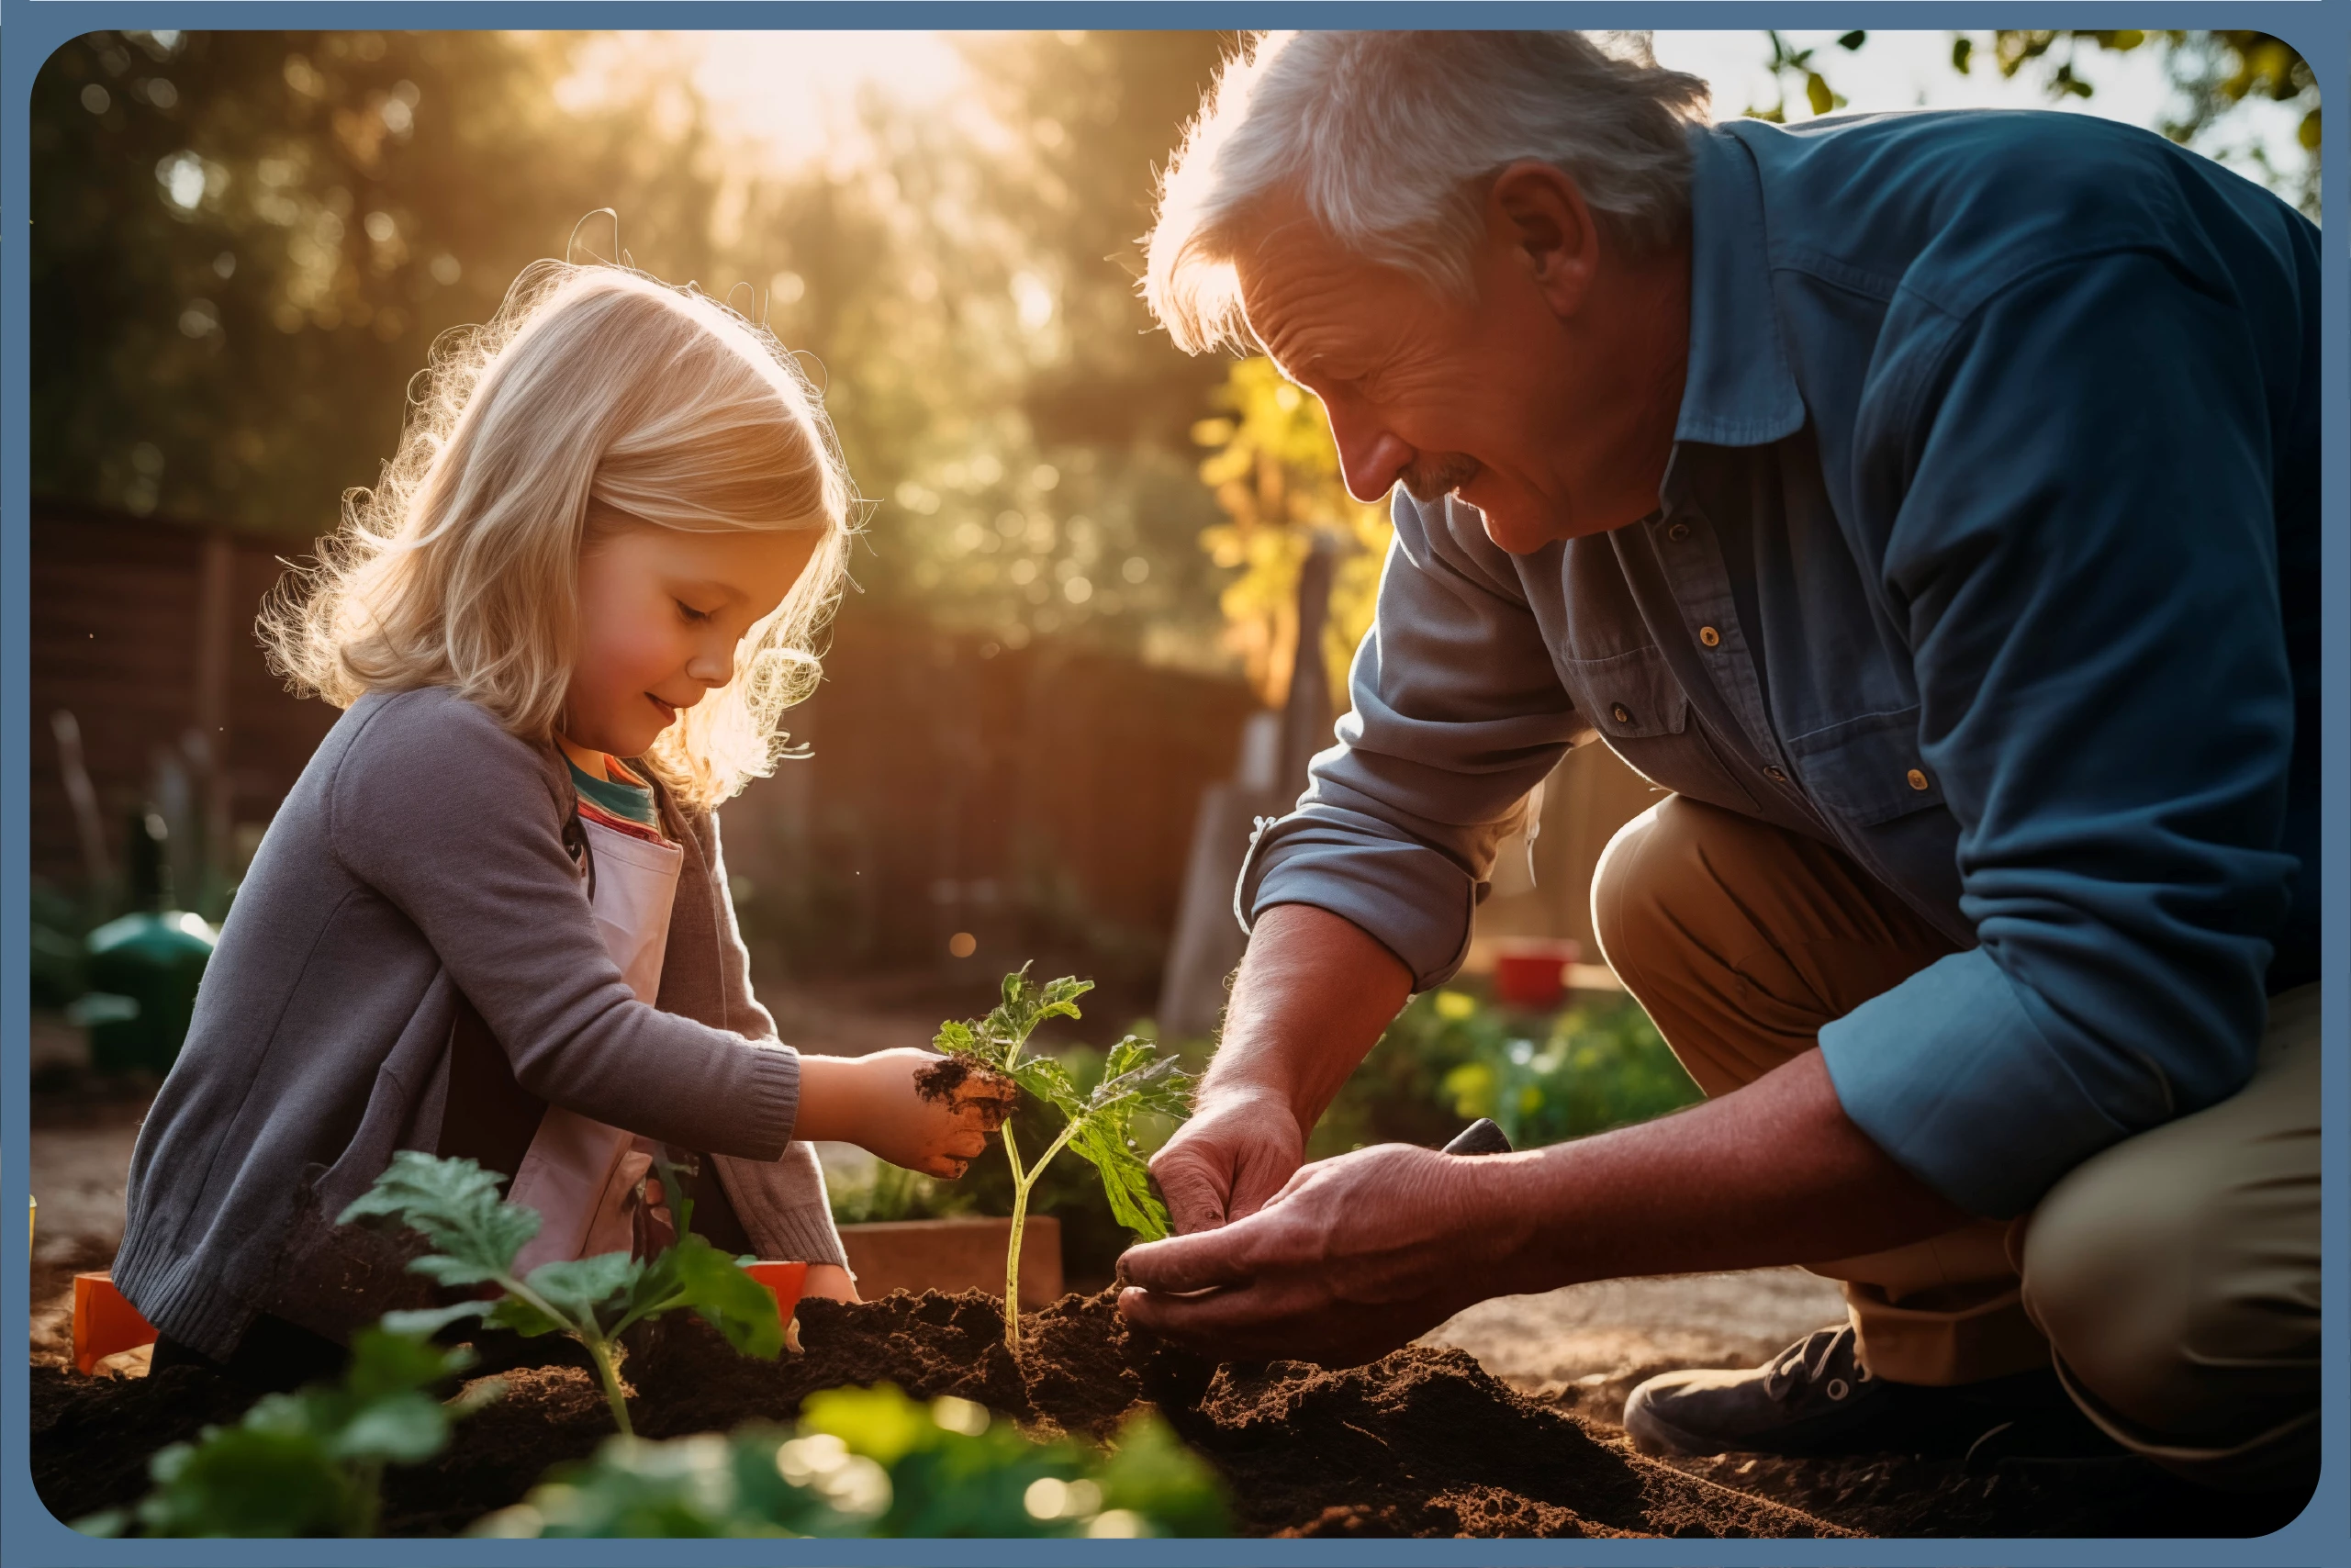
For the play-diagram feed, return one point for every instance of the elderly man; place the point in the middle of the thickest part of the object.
(1928, 505)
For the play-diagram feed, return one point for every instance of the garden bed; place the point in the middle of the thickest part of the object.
(1422, 1443)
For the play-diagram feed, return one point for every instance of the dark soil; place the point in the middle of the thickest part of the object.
(1421, 1443)
(957, 1082)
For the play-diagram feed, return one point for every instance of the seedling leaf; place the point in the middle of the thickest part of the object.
(576, 1287)
(455, 1205)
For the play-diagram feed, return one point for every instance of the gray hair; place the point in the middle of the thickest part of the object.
(1388, 139)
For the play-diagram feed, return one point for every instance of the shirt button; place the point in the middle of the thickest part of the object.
(1918, 780)
(1775, 775)
(1623, 714)
(1678, 533)
(1709, 636)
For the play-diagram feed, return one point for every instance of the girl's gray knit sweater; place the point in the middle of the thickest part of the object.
(420, 859)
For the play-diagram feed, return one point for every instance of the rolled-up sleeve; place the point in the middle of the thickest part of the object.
(1457, 714)
(2086, 555)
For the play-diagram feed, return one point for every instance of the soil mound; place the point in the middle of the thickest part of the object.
(1423, 1443)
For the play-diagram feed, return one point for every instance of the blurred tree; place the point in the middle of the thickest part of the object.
(1000, 391)
(2216, 76)
(2215, 73)
(1275, 472)
(246, 241)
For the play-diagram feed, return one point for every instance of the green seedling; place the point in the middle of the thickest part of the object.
(455, 1205)
(1096, 1125)
(872, 1462)
(310, 1463)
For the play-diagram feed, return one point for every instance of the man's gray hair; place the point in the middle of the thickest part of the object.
(1388, 140)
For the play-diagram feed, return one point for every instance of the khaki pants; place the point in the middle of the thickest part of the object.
(2172, 1281)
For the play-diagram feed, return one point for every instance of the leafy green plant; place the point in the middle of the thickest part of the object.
(894, 1192)
(1451, 1054)
(872, 1462)
(455, 1205)
(1096, 1124)
(310, 1463)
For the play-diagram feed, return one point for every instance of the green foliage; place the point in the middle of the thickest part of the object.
(455, 1205)
(1097, 1123)
(872, 1462)
(894, 1192)
(310, 1463)
(2213, 74)
(1449, 1056)
(1274, 470)
(241, 355)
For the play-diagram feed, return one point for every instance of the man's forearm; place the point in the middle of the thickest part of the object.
(1774, 1173)
(1314, 994)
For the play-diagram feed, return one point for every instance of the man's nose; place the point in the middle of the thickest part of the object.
(1370, 457)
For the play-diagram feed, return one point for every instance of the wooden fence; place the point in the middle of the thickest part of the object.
(1039, 794)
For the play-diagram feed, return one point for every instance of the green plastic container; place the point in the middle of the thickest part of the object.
(152, 961)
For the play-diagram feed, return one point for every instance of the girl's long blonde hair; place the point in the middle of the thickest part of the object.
(595, 391)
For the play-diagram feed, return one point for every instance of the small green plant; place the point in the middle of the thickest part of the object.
(872, 1462)
(1096, 1124)
(894, 1192)
(310, 1463)
(455, 1205)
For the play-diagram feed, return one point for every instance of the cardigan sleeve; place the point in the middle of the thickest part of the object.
(453, 820)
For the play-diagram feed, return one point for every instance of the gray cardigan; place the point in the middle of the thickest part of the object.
(420, 859)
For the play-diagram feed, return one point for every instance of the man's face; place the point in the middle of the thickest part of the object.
(1487, 399)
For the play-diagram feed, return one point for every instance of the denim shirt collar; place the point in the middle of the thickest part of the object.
(1740, 390)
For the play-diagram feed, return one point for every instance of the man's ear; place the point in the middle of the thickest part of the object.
(1537, 213)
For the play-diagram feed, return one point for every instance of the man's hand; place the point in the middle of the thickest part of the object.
(1234, 1154)
(1356, 1257)
(1313, 993)
(1358, 1254)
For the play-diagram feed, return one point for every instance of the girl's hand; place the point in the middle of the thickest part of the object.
(829, 1280)
(911, 1107)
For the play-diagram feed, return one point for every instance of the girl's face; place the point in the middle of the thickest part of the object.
(662, 613)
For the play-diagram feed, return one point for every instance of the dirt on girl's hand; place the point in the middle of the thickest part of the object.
(960, 1082)
(928, 1113)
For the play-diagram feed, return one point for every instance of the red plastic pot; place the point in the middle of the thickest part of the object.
(1531, 972)
(104, 1323)
(785, 1279)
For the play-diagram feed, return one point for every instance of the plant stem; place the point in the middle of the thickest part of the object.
(608, 1373)
(1023, 1180)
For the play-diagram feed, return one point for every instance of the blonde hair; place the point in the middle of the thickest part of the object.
(594, 391)
(1386, 139)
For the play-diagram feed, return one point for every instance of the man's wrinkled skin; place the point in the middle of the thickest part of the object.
(1549, 402)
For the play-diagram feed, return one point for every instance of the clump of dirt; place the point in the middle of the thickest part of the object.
(960, 1082)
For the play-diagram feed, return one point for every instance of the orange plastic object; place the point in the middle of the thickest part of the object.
(104, 1323)
(785, 1280)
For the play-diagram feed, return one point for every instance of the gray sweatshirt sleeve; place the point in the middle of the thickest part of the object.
(1457, 714)
(456, 822)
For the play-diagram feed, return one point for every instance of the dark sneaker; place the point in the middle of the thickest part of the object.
(1814, 1392)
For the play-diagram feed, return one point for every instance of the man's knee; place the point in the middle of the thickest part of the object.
(2148, 1275)
(1647, 878)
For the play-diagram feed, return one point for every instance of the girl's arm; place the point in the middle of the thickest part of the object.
(457, 823)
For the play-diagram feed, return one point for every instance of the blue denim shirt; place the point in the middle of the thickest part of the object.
(1987, 552)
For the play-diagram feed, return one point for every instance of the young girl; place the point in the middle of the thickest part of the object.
(492, 919)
